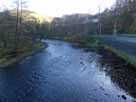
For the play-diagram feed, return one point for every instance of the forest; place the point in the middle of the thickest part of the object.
(119, 19)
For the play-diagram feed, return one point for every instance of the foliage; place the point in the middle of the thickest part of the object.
(30, 34)
(120, 18)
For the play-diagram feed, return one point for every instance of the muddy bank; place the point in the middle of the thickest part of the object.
(120, 72)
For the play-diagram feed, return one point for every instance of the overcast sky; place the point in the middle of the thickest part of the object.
(62, 7)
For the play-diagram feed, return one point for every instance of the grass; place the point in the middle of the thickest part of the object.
(129, 35)
(94, 42)
(8, 57)
(126, 57)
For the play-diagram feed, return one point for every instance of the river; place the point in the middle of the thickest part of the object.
(60, 73)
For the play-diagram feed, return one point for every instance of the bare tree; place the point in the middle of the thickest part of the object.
(17, 24)
(19, 16)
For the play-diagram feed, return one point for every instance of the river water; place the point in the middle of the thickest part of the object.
(60, 73)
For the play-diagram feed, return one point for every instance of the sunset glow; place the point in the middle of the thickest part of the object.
(62, 7)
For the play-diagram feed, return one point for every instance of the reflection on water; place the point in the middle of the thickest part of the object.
(60, 73)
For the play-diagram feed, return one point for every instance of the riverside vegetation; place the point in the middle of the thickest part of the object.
(21, 33)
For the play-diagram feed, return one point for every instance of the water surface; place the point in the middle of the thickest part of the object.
(60, 73)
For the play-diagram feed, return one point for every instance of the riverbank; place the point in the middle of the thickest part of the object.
(128, 59)
(119, 65)
(124, 47)
(9, 60)
(98, 45)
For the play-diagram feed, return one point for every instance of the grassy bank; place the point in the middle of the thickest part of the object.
(98, 45)
(8, 58)
(129, 59)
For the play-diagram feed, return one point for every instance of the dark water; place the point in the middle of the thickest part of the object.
(60, 73)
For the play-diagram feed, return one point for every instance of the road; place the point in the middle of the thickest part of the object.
(60, 73)
(123, 43)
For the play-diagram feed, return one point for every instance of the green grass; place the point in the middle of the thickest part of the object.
(129, 59)
(94, 42)
(7, 57)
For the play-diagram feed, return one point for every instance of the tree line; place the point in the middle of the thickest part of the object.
(20, 30)
(119, 19)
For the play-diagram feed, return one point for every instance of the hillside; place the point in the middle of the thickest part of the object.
(31, 15)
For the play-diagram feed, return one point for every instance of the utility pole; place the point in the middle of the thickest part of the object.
(100, 25)
(115, 22)
(115, 27)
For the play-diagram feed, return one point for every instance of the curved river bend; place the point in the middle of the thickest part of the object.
(60, 73)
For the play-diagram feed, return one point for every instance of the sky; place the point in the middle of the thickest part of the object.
(58, 8)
